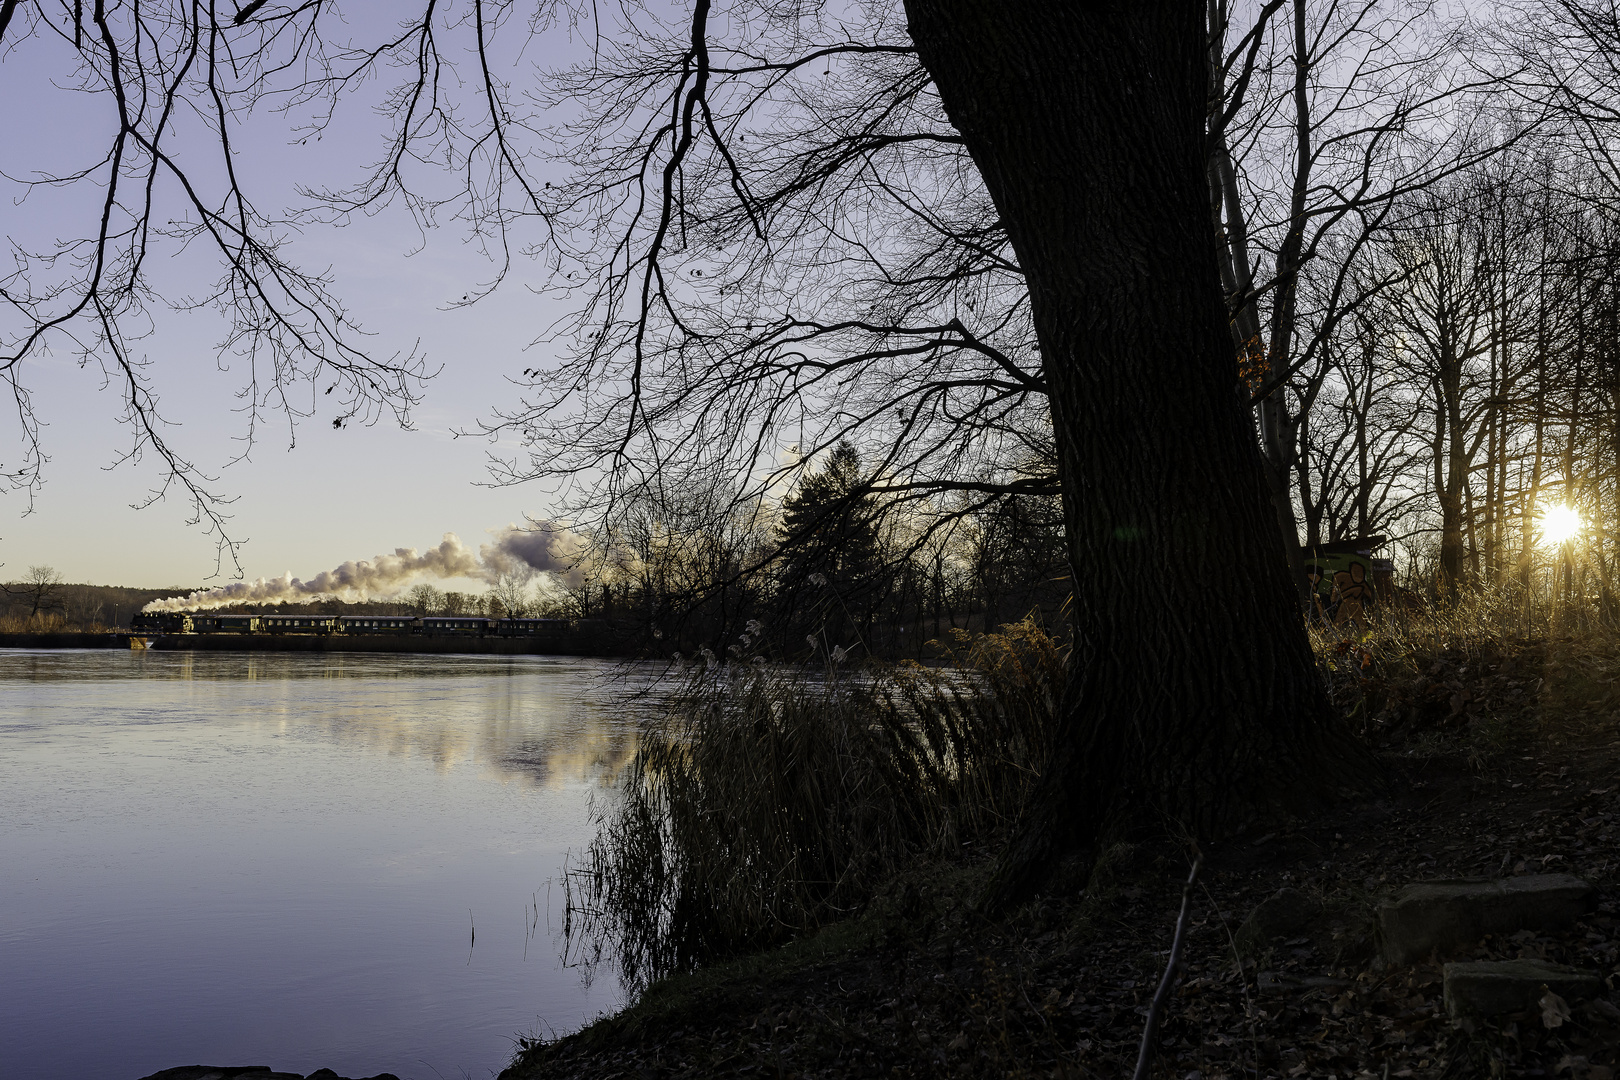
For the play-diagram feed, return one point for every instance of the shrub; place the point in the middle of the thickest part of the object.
(766, 802)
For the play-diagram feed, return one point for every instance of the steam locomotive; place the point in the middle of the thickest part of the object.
(183, 622)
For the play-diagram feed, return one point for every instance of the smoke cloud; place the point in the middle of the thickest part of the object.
(546, 547)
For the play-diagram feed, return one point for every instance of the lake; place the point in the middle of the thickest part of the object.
(345, 861)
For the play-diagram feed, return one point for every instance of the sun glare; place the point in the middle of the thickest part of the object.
(1559, 525)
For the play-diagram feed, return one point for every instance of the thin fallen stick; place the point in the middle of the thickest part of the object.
(1150, 1034)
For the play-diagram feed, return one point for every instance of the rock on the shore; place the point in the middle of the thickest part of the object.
(1447, 915)
(250, 1072)
(1282, 915)
(1491, 987)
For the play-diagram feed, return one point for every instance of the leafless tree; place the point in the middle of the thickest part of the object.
(176, 85)
(424, 599)
(512, 591)
(780, 241)
(950, 232)
(39, 589)
(1323, 117)
(1358, 455)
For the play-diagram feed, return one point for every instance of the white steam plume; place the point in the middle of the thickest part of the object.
(545, 547)
(382, 575)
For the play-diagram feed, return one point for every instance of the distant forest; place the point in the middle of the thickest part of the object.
(41, 604)
(70, 608)
(827, 442)
(834, 569)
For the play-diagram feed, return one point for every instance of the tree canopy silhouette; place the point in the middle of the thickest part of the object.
(957, 235)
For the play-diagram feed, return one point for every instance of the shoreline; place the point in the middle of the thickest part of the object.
(602, 643)
(1284, 970)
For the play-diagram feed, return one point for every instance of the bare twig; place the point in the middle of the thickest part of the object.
(1150, 1032)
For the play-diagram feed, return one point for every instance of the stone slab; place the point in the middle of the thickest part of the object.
(1447, 915)
(1492, 987)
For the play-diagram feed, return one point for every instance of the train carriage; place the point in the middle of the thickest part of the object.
(224, 624)
(531, 627)
(298, 624)
(379, 625)
(455, 625)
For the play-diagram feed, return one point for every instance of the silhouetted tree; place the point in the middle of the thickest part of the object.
(830, 580)
(993, 222)
(425, 599)
(39, 589)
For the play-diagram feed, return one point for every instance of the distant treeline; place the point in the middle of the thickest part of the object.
(832, 570)
(829, 571)
(33, 606)
(56, 606)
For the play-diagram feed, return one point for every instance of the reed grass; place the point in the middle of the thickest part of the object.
(1483, 622)
(1476, 675)
(43, 623)
(767, 802)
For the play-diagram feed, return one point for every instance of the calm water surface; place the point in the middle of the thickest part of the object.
(241, 859)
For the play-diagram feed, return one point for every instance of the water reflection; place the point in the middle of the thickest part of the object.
(526, 719)
(296, 844)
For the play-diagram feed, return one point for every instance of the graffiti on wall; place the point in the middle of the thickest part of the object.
(1346, 582)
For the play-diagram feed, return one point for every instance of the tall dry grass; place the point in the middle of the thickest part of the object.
(767, 802)
(43, 623)
(1476, 674)
(1482, 621)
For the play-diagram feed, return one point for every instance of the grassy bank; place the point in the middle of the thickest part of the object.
(766, 804)
(1509, 748)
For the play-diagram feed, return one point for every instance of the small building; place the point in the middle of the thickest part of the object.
(1348, 579)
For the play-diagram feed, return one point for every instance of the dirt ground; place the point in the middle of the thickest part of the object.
(1508, 762)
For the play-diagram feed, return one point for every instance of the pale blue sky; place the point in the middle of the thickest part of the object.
(338, 495)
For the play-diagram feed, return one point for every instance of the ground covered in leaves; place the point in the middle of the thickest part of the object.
(1511, 765)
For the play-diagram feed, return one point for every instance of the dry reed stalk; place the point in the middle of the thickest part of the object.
(767, 802)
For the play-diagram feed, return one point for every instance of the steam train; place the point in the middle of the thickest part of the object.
(182, 622)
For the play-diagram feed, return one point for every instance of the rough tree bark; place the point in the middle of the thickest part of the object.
(1193, 695)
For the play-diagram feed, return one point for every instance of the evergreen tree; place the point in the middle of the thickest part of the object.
(830, 579)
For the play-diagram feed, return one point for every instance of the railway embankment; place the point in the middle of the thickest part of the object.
(64, 641)
(591, 642)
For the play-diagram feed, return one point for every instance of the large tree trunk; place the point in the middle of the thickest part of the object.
(1193, 694)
